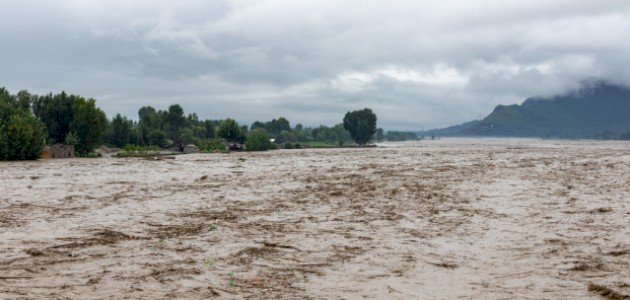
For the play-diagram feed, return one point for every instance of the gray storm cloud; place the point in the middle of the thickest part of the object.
(418, 64)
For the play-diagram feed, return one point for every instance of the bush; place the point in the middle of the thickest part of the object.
(288, 145)
(212, 145)
(258, 140)
(21, 137)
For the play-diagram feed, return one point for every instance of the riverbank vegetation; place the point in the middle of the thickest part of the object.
(29, 122)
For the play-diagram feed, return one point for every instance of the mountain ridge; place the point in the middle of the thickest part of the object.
(597, 110)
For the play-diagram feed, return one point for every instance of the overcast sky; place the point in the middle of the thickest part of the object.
(417, 64)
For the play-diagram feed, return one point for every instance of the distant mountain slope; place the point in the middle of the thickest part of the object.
(597, 110)
(449, 131)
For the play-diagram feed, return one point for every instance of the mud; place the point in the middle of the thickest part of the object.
(489, 219)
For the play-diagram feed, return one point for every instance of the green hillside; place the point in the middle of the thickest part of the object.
(597, 110)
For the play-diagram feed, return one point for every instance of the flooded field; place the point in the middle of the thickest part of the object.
(491, 219)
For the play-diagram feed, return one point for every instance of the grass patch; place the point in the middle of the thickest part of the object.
(139, 151)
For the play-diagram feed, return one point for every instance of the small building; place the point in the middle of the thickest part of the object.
(235, 146)
(58, 151)
(191, 149)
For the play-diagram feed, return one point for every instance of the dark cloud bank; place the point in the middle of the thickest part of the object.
(418, 64)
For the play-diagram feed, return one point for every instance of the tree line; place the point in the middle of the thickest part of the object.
(28, 122)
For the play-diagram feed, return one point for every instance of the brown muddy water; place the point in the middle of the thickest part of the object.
(480, 219)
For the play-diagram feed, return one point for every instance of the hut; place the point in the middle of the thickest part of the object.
(235, 146)
(191, 149)
(58, 151)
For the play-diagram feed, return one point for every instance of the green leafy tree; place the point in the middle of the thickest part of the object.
(258, 124)
(210, 129)
(134, 136)
(258, 140)
(273, 127)
(361, 124)
(287, 136)
(184, 137)
(24, 99)
(283, 125)
(22, 136)
(244, 131)
(150, 127)
(121, 130)
(176, 121)
(156, 137)
(63, 113)
(230, 131)
(57, 113)
(90, 124)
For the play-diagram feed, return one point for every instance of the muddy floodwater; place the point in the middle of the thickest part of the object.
(480, 219)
